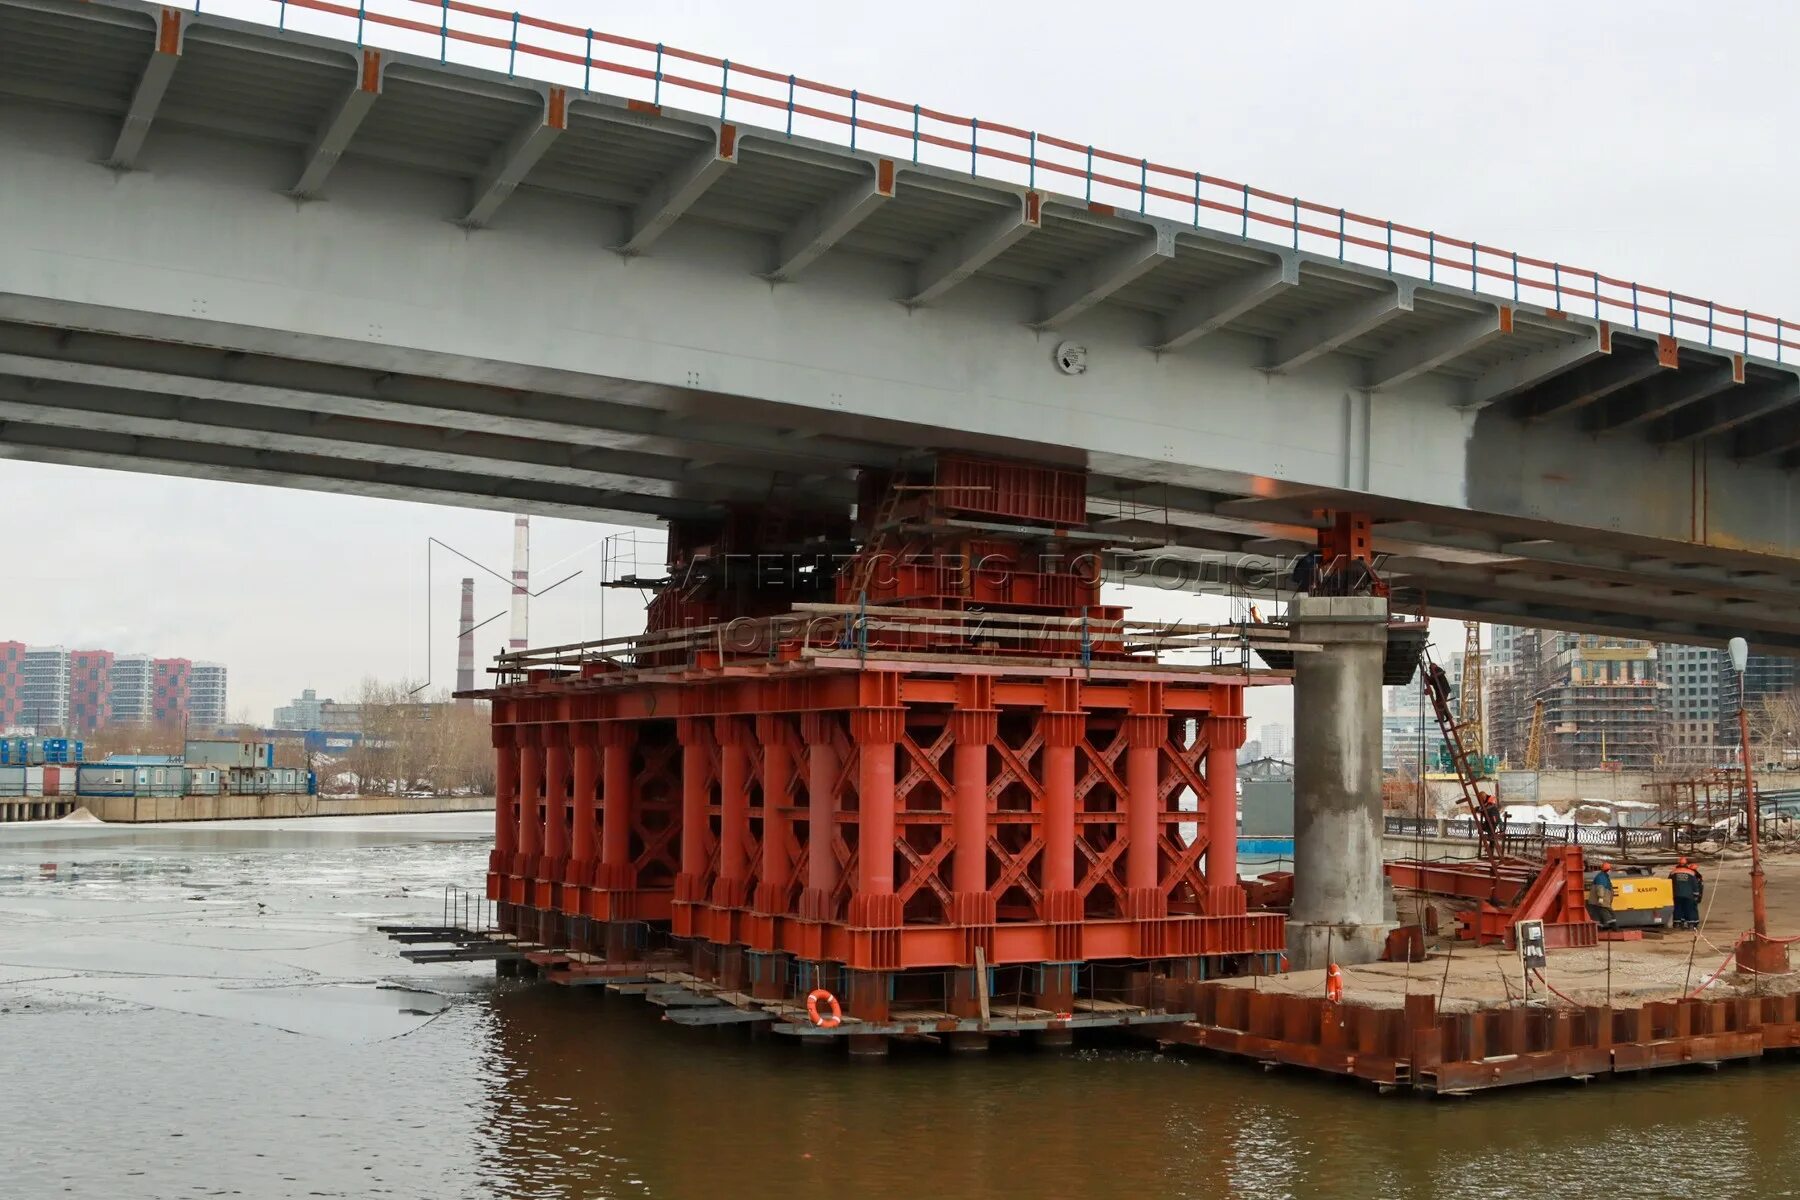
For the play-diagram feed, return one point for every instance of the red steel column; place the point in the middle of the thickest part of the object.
(619, 800)
(531, 786)
(821, 813)
(778, 773)
(1224, 734)
(696, 833)
(1146, 729)
(1063, 727)
(877, 730)
(506, 795)
(973, 726)
(556, 797)
(506, 817)
(734, 813)
(583, 835)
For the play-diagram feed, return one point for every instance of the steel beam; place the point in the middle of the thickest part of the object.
(358, 440)
(1592, 381)
(1659, 397)
(1339, 326)
(956, 260)
(1723, 413)
(151, 85)
(828, 224)
(334, 136)
(1092, 282)
(1509, 379)
(349, 392)
(1429, 351)
(1778, 433)
(673, 196)
(158, 457)
(1219, 306)
(514, 160)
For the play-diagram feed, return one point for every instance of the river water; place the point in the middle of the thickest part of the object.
(206, 1011)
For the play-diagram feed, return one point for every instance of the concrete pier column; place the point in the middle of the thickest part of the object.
(1340, 894)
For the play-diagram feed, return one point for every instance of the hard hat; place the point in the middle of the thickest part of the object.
(1682, 861)
(1606, 866)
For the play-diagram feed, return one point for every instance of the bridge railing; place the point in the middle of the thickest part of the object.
(558, 52)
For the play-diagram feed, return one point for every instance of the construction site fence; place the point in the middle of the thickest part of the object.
(1543, 833)
(523, 45)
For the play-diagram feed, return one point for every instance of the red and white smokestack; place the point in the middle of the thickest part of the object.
(521, 583)
(465, 640)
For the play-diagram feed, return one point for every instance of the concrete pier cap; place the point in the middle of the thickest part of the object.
(1340, 911)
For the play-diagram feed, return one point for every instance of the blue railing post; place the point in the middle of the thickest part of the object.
(1474, 266)
(915, 133)
(1390, 247)
(1090, 175)
(852, 118)
(1143, 185)
(280, 21)
(362, 13)
(1341, 242)
(444, 35)
(1296, 200)
(790, 110)
(1709, 320)
(1634, 305)
(587, 78)
(1515, 257)
(512, 55)
(1246, 212)
(974, 139)
(1596, 275)
(1556, 282)
(724, 88)
(1031, 168)
(656, 90)
(1431, 257)
(1779, 337)
(1196, 199)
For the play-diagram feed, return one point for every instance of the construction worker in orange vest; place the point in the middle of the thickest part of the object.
(1600, 896)
(1688, 887)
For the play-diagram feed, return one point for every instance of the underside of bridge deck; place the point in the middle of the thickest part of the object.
(235, 253)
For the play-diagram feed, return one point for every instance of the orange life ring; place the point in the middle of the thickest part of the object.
(812, 1009)
(1334, 983)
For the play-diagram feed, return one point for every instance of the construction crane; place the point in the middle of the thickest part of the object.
(1534, 742)
(1481, 805)
(1469, 702)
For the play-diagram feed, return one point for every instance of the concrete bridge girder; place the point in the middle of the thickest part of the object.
(745, 322)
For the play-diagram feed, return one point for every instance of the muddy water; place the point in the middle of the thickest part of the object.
(204, 1011)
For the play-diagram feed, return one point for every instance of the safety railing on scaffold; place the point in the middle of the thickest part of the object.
(560, 53)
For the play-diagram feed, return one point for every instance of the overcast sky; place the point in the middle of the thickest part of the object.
(1643, 139)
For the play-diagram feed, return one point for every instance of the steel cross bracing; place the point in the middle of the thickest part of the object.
(239, 253)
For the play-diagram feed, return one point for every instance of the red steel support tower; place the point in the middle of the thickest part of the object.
(880, 770)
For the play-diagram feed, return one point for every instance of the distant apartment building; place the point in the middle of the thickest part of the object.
(207, 705)
(90, 690)
(49, 688)
(12, 685)
(1693, 678)
(133, 683)
(1604, 701)
(169, 694)
(308, 713)
(44, 687)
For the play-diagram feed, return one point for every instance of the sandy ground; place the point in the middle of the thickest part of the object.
(1660, 967)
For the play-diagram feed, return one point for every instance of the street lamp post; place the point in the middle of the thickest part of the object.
(1757, 953)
